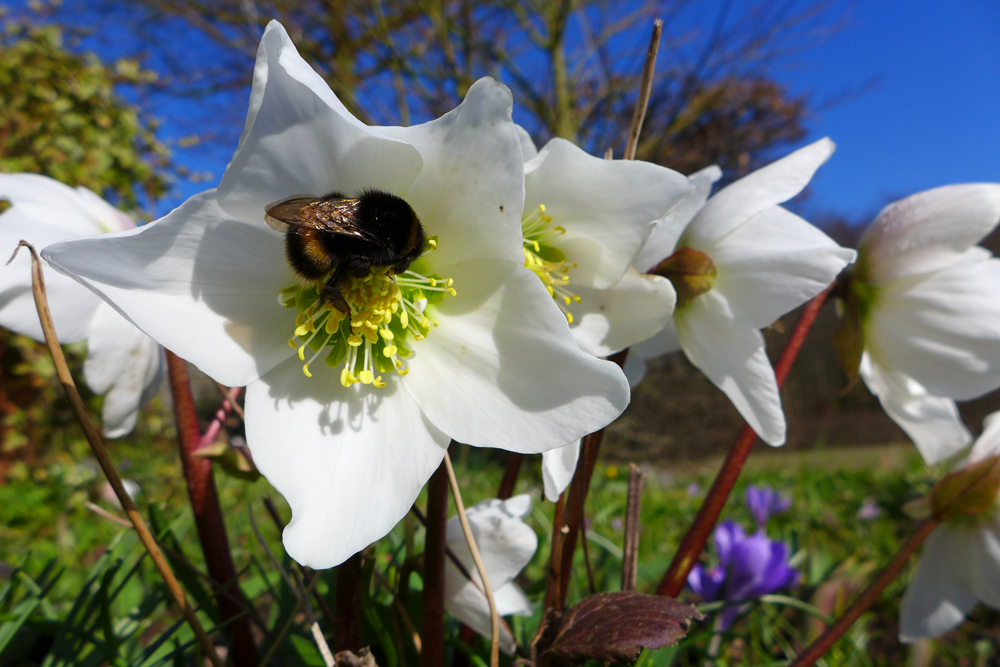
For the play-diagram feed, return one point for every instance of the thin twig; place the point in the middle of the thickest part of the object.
(630, 550)
(231, 394)
(583, 542)
(644, 90)
(101, 453)
(474, 550)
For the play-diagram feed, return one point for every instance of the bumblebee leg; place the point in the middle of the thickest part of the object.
(331, 290)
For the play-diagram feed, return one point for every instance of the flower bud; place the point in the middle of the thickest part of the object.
(692, 273)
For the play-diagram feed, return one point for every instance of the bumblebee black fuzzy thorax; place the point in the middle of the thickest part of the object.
(331, 237)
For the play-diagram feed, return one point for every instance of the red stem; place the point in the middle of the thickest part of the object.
(510, 473)
(694, 541)
(815, 651)
(208, 517)
(347, 606)
(435, 546)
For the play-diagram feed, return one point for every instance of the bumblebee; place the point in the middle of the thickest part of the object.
(346, 235)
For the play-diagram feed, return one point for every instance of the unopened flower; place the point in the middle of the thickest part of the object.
(506, 545)
(749, 567)
(922, 312)
(585, 219)
(764, 503)
(122, 363)
(738, 263)
(349, 412)
(960, 562)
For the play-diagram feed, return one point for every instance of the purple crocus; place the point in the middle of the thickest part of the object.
(749, 567)
(763, 503)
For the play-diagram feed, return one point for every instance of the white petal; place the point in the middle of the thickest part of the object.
(662, 240)
(511, 601)
(607, 207)
(732, 355)
(609, 320)
(300, 139)
(988, 443)
(49, 203)
(71, 305)
(123, 364)
(983, 562)
(558, 467)
(470, 192)
(635, 369)
(932, 422)
(651, 348)
(774, 263)
(528, 149)
(203, 285)
(350, 462)
(771, 185)
(938, 596)
(929, 230)
(944, 329)
(502, 369)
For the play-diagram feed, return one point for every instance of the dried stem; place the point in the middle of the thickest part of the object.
(474, 551)
(207, 511)
(630, 551)
(644, 90)
(435, 544)
(694, 541)
(101, 454)
(815, 651)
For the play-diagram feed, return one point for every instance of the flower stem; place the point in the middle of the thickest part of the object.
(644, 91)
(208, 516)
(815, 651)
(101, 454)
(435, 545)
(347, 606)
(694, 541)
(510, 473)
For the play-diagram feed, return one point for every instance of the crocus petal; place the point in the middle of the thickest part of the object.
(470, 192)
(72, 307)
(774, 263)
(606, 321)
(125, 365)
(944, 330)
(349, 461)
(929, 231)
(558, 466)
(938, 596)
(656, 346)
(54, 205)
(607, 207)
(300, 139)
(931, 422)
(662, 240)
(768, 186)
(732, 355)
(707, 583)
(195, 270)
(726, 536)
(502, 369)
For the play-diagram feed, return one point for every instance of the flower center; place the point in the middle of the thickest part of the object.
(547, 260)
(386, 312)
(691, 272)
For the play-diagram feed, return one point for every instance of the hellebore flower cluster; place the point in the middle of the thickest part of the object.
(960, 562)
(506, 545)
(739, 261)
(922, 312)
(349, 413)
(122, 363)
(749, 567)
(585, 219)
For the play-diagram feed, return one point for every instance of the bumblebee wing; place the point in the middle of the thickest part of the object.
(337, 215)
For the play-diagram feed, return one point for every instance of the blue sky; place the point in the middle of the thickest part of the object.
(933, 118)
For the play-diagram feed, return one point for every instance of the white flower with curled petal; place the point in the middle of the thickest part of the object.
(122, 364)
(922, 312)
(506, 545)
(585, 219)
(466, 344)
(960, 562)
(742, 262)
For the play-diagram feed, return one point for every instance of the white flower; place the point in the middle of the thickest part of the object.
(466, 344)
(960, 562)
(585, 219)
(122, 363)
(741, 263)
(924, 303)
(506, 545)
